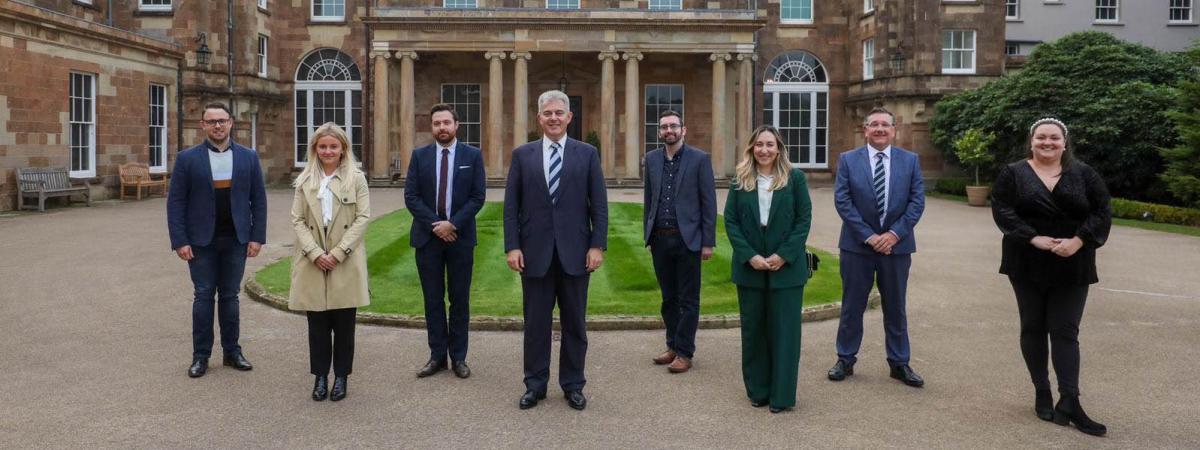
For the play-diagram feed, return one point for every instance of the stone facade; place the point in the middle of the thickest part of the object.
(382, 64)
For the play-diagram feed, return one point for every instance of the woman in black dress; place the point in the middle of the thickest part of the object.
(1054, 213)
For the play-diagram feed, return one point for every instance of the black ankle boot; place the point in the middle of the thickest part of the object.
(1069, 411)
(339, 389)
(1043, 404)
(320, 388)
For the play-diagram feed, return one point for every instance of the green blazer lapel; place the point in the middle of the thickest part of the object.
(756, 227)
(778, 199)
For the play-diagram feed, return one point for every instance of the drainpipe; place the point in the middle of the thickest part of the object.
(229, 54)
(179, 105)
(108, 12)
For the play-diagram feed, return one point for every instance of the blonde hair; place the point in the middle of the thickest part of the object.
(312, 171)
(746, 172)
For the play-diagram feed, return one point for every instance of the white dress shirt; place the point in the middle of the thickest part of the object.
(449, 175)
(562, 148)
(887, 174)
(326, 196)
(764, 197)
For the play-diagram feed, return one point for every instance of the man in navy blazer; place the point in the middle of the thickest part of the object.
(880, 195)
(444, 189)
(216, 216)
(680, 223)
(555, 234)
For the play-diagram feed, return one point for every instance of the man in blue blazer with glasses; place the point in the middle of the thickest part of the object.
(217, 217)
(880, 195)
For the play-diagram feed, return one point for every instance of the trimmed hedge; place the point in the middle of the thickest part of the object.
(952, 186)
(1122, 208)
(1153, 212)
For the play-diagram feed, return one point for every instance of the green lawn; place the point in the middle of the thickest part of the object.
(625, 284)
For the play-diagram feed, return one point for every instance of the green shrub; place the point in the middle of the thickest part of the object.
(952, 186)
(1152, 212)
(972, 150)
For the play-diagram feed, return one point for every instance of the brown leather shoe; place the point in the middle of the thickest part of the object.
(680, 365)
(666, 357)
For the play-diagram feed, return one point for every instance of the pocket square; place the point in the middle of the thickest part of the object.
(464, 167)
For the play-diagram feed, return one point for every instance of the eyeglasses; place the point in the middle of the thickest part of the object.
(670, 126)
(559, 113)
(879, 125)
(217, 122)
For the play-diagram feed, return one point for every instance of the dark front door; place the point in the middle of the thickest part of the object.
(575, 128)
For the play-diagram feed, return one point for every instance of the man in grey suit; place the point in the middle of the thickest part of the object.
(880, 195)
(680, 222)
(555, 234)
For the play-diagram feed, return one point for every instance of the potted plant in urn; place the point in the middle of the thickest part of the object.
(972, 151)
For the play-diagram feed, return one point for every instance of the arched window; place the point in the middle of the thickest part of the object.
(796, 101)
(328, 89)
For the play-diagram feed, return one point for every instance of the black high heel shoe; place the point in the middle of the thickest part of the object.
(1043, 404)
(1068, 411)
(320, 388)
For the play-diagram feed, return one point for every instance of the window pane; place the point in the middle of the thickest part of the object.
(465, 99)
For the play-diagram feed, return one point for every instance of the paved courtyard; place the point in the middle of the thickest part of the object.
(95, 332)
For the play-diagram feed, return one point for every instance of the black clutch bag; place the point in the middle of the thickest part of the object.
(813, 261)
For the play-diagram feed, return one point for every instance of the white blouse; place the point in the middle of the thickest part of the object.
(764, 197)
(326, 196)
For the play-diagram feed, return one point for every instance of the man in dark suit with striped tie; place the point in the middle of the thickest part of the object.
(555, 234)
(880, 195)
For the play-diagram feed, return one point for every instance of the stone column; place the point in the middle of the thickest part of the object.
(380, 121)
(608, 112)
(407, 109)
(520, 99)
(633, 114)
(745, 100)
(495, 142)
(719, 146)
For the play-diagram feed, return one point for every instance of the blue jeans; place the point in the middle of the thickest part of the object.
(216, 271)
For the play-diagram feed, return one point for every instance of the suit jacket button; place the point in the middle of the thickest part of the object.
(345, 227)
(345, 200)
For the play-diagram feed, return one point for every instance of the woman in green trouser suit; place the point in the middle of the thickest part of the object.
(767, 216)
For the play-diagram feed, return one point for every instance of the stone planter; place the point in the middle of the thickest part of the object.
(978, 195)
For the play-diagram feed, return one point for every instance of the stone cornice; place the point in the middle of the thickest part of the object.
(45, 18)
(723, 20)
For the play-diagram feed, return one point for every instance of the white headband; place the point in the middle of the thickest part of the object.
(1052, 120)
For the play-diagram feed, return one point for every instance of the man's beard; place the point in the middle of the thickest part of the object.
(449, 139)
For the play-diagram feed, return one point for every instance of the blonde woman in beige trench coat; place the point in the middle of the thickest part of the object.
(329, 264)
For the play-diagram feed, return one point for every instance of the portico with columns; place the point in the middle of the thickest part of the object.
(496, 65)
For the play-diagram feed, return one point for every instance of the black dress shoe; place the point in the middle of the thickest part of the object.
(575, 400)
(321, 388)
(460, 369)
(339, 389)
(236, 361)
(1043, 404)
(777, 410)
(906, 375)
(841, 369)
(758, 403)
(199, 367)
(431, 367)
(530, 399)
(1069, 411)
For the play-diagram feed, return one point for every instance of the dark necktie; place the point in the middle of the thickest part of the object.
(555, 171)
(441, 200)
(880, 184)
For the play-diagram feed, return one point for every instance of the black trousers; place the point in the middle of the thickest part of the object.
(539, 296)
(1051, 310)
(678, 272)
(437, 262)
(331, 337)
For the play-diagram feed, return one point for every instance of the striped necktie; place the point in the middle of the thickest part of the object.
(880, 186)
(555, 171)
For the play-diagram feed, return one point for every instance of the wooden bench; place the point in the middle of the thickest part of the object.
(46, 182)
(137, 176)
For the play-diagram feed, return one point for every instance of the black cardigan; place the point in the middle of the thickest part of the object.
(1024, 208)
